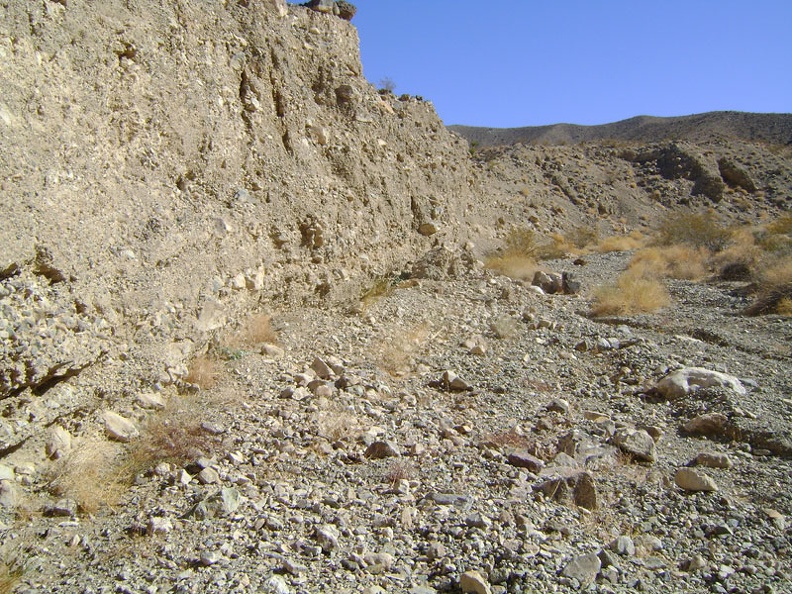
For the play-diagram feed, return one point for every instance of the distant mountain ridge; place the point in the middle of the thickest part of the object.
(771, 128)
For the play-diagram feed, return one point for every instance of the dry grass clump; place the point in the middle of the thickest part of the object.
(203, 372)
(174, 435)
(699, 229)
(12, 569)
(399, 471)
(675, 261)
(631, 294)
(397, 353)
(90, 475)
(775, 291)
(518, 258)
(621, 243)
(255, 330)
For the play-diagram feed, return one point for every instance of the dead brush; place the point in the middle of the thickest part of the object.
(632, 293)
(90, 476)
(399, 471)
(774, 291)
(203, 372)
(698, 229)
(621, 243)
(173, 435)
(397, 353)
(255, 330)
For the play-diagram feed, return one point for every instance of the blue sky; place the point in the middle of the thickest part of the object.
(534, 62)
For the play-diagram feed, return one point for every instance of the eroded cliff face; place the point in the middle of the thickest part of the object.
(168, 168)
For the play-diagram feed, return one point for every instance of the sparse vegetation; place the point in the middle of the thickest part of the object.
(505, 327)
(631, 294)
(396, 355)
(203, 372)
(699, 229)
(399, 471)
(620, 243)
(90, 475)
(775, 291)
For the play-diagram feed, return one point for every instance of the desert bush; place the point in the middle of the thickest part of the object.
(397, 353)
(632, 293)
(203, 372)
(89, 475)
(699, 229)
(774, 291)
(255, 330)
(621, 243)
(675, 261)
(582, 236)
(518, 258)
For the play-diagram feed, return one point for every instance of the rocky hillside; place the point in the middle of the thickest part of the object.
(165, 166)
(248, 343)
(772, 129)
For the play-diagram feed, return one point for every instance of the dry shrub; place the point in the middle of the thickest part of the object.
(337, 423)
(173, 435)
(699, 229)
(505, 327)
(621, 243)
(510, 439)
(399, 471)
(203, 372)
(397, 353)
(382, 286)
(675, 261)
(257, 329)
(90, 476)
(582, 236)
(776, 238)
(775, 290)
(632, 294)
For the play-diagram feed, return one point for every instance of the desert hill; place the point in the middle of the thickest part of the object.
(250, 339)
(773, 129)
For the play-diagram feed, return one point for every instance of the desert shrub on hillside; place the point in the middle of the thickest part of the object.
(699, 229)
(621, 243)
(675, 261)
(776, 237)
(203, 372)
(632, 293)
(518, 257)
(582, 236)
(775, 291)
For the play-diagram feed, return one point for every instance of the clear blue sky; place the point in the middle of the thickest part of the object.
(516, 63)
